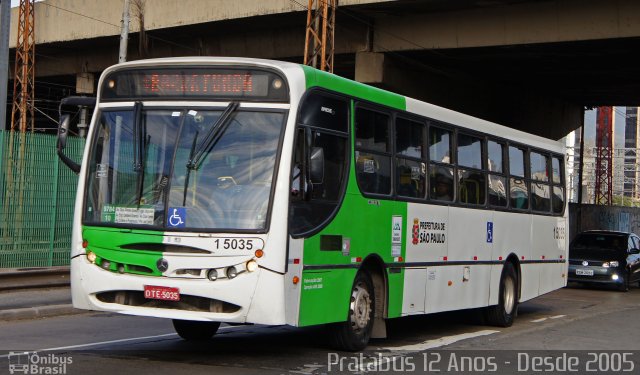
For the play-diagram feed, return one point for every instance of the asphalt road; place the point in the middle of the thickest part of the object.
(572, 330)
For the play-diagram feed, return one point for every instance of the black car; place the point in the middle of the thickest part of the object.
(609, 257)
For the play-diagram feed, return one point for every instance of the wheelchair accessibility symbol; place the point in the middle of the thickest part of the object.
(489, 232)
(177, 216)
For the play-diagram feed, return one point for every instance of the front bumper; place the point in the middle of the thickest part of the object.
(224, 300)
(600, 275)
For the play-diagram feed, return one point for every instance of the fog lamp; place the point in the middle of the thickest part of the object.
(252, 265)
(212, 275)
(105, 264)
(232, 272)
(614, 277)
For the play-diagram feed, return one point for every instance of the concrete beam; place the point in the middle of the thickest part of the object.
(532, 111)
(66, 20)
(522, 23)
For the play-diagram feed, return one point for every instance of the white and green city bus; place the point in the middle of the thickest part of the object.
(252, 191)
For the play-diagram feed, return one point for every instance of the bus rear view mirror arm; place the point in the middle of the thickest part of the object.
(84, 103)
(63, 130)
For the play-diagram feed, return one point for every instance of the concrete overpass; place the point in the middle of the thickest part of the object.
(529, 64)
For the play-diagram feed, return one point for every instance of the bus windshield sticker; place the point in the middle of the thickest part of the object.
(102, 170)
(177, 218)
(128, 215)
(396, 236)
(369, 166)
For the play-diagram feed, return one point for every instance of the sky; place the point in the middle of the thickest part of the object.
(15, 3)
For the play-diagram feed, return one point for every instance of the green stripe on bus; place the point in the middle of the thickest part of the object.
(107, 244)
(327, 300)
(318, 78)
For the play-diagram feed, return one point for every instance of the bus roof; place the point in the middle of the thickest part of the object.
(317, 78)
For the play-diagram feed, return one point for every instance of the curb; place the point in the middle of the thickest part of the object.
(38, 312)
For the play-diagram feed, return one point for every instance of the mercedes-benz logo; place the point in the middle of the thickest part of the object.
(584, 263)
(162, 264)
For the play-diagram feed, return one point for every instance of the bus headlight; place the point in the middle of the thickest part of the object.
(232, 272)
(91, 257)
(614, 264)
(212, 275)
(252, 265)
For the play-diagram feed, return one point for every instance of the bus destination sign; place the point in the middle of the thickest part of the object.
(194, 83)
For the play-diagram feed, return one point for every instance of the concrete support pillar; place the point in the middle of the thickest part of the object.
(370, 67)
(84, 85)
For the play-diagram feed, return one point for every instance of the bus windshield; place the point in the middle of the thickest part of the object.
(142, 169)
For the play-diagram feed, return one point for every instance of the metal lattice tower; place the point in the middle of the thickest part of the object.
(604, 153)
(22, 112)
(319, 38)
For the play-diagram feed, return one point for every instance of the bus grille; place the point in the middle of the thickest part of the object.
(187, 302)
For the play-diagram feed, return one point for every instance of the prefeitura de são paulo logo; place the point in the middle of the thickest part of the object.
(416, 231)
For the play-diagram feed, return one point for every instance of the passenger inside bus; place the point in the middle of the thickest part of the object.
(442, 185)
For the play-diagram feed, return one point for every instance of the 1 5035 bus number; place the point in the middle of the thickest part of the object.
(235, 243)
(559, 233)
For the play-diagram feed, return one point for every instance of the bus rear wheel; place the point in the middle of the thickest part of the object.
(194, 330)
(354, 334)
(504, 313)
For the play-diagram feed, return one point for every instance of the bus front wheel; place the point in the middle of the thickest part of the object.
(503, 314)
(194, 330)
(354, 334)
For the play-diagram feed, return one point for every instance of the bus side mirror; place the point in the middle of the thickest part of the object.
(316, 167)
(63, 130)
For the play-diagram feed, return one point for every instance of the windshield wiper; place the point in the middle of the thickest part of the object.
(186, 178)
(139, 149)
(212, 137)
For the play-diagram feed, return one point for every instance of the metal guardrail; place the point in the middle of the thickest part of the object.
(28, 278)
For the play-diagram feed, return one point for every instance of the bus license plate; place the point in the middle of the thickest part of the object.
(584, 272)
(161, 292)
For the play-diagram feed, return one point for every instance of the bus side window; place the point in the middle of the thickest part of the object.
(373, 151)
(540, 192)
(497, 181)
(518, 186)
(557, 200)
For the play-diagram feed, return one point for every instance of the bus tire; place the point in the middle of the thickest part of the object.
(191, 330)
(354, 334)
(504, 313)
